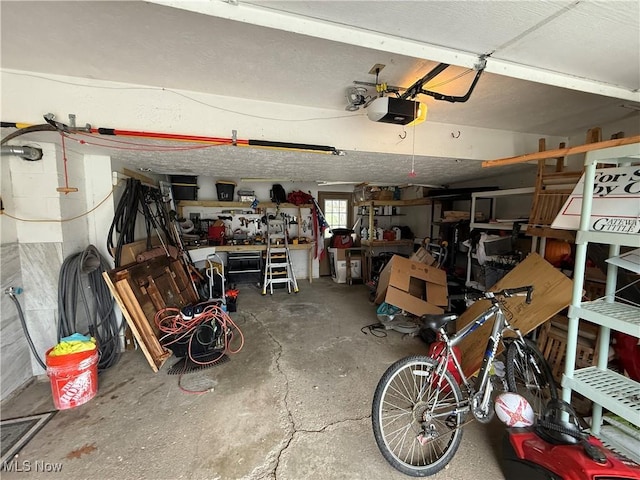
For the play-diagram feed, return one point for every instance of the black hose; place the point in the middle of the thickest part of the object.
(137, 198)
(101, 319)
(26, 331)
(124, 219)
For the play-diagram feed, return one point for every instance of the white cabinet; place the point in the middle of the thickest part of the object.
(607, 389)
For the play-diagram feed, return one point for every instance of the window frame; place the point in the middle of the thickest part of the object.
(348, 196)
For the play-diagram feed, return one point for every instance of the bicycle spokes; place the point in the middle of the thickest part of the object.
(417, 415)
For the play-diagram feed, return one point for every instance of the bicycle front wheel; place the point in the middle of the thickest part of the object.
(529, 375)
(416, 416)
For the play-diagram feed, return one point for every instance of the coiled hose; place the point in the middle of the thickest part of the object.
(137, 198)
(100, 316)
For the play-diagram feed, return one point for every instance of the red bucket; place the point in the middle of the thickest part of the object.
(74, 378)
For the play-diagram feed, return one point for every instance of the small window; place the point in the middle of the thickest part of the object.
(336, 214)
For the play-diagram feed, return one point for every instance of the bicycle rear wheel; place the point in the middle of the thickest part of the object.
(415, 423)
(529, 375)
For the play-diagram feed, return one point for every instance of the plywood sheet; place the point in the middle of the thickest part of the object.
(552, 293)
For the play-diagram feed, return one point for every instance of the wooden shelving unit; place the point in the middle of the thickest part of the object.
(371, 204)
(370, 246)
(233, 205)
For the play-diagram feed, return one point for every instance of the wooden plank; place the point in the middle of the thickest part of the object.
(158, 353)
(535, 204)
(183, 281)
(154, 294)
(561, 152)
(236, 205)
(139, 176)
(552, 293)
(548, 232)
(594, 135)
(560, 160)
(141, 291)
(171, 278)
(141, 340)
(571, 174)
(130, 251)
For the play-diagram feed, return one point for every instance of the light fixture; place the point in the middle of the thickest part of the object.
(270, 180)
(421, 114)
(355, 98)
(324, 183)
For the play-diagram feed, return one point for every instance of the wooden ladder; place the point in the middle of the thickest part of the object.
(553, 187)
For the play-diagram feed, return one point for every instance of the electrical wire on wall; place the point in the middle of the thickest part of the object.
(99, 315)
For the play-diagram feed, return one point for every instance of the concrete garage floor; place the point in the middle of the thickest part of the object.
(294, 404)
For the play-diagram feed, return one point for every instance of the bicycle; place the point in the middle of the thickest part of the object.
(418, 407)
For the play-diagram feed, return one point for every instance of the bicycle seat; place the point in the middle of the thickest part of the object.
(436, 322)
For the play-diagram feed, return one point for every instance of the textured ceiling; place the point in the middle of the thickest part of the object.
(151, 44)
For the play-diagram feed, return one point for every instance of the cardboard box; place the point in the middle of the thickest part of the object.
(423, 256)
(413, 286)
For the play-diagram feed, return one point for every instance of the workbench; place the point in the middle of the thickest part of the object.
(199, 254)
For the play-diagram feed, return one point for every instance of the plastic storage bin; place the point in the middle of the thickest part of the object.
(246, 195)
(184, 187)
(225, 190)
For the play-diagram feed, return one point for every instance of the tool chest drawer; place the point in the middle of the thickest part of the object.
(244, 262)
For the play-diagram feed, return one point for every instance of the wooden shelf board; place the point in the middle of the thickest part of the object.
(216, 203)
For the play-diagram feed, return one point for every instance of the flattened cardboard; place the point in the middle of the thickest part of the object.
(411, 304)
(412, 286)
(552, 293)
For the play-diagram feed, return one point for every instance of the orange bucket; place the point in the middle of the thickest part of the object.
(74, 378)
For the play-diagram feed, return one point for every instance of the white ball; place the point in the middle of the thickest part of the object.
(514, 410)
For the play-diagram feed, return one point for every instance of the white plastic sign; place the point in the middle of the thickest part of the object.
(616, 202)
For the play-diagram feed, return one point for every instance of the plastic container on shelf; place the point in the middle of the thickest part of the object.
(246, 195)
(184, 187)
(225, 190)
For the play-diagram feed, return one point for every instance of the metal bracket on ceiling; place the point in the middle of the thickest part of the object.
(482, 62)
(73, 127)
(61, 127)
(416, 88)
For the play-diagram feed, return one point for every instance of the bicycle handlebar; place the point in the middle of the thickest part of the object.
(507, 292)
